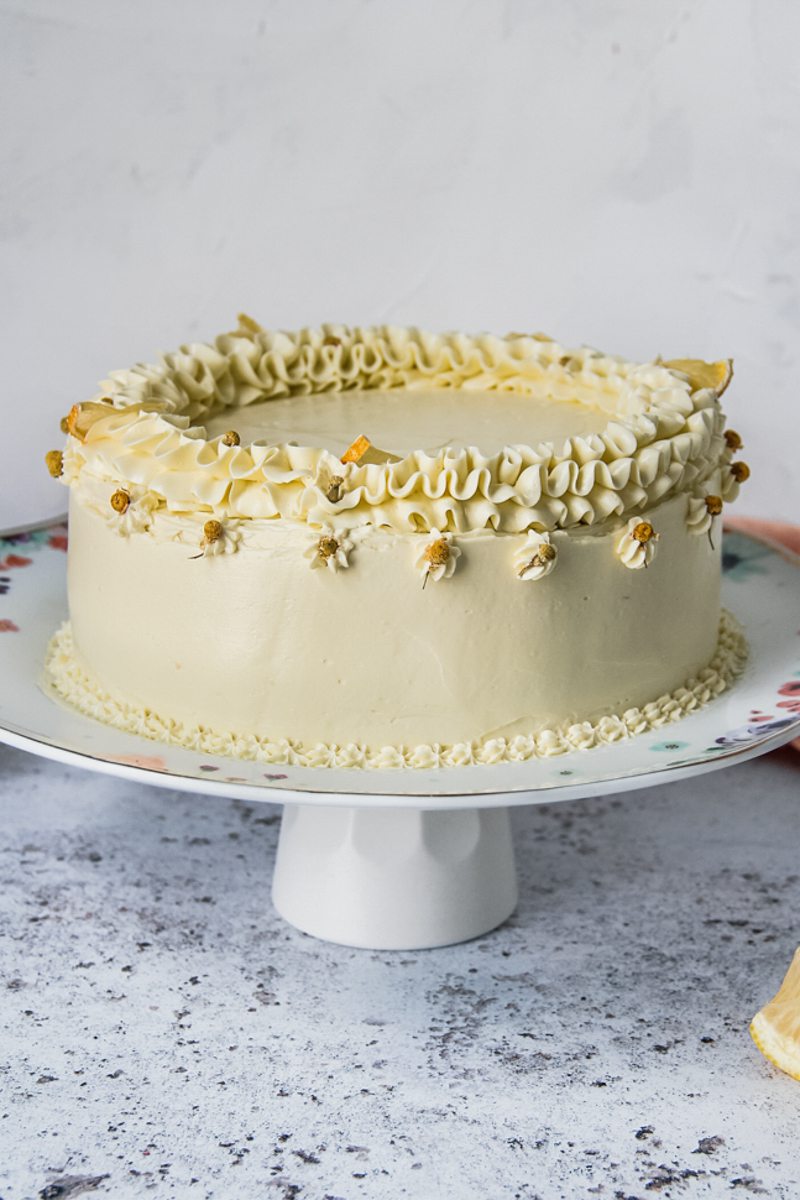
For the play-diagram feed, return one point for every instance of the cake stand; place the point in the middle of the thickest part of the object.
(406, 859)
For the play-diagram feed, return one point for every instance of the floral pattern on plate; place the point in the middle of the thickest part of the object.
(53, 536)
(743, 556)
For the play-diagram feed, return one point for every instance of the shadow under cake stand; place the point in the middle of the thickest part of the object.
(407, 859)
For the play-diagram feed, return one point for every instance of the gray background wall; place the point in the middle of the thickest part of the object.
(620, 173)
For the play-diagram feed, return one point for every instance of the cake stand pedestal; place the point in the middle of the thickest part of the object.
(405, 859)
(395, 878)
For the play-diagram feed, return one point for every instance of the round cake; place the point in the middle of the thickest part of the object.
(384, 547)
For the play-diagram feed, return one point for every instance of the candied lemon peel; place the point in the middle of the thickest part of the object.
(776, 1028)
(716, 375)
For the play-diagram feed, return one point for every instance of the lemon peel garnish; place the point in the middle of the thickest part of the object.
(716, 375)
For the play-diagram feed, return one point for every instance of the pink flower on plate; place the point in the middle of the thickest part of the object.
(57, 541)
(14, 560)
(8, 627)
(792, 690)
(149, 762)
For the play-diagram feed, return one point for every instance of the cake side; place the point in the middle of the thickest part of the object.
(67, 679)
(258, 642)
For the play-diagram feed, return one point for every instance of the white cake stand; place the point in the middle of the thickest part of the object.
(406, 859)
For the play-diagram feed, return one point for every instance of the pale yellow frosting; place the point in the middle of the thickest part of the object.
(69, 680)
(387, 645)
(407, 419)
(661, 436)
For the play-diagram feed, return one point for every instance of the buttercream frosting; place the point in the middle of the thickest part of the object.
(419, 418)
(69, 680)
(145, 428)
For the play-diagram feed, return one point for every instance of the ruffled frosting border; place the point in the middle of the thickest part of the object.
(67, 678)
(145, 429)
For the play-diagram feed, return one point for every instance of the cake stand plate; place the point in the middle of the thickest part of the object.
(402, 859)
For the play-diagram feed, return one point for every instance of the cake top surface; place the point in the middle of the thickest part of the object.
(402, 420)
(467, 432)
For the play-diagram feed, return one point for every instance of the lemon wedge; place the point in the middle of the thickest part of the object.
(716, 375)
(776, 1029)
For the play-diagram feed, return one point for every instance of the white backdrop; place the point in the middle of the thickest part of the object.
(623, 173)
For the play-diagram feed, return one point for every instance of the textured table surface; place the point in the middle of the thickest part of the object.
(164, 1032)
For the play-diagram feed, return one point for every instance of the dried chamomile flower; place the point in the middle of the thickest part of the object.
(733, 476)
(218, 539)
(700, 514)
(438, 557)
(333, 492)
(131, 512)
(536, 558)
(636, 547)
(330, 549)
(119, 500)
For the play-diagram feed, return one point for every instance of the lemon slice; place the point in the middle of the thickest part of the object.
(716, 375)
(776, 1029)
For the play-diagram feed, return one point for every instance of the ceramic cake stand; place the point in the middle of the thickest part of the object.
(406, 859)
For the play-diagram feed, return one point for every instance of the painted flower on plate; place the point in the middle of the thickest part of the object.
(741, 556)
(792, 691)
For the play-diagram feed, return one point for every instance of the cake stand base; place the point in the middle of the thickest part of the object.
(394, 878)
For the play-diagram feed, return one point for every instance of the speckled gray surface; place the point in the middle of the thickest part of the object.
(164, 1032)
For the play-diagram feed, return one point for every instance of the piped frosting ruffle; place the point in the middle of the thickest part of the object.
(146, 429)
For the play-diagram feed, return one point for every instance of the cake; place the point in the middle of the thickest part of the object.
(389, 548)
